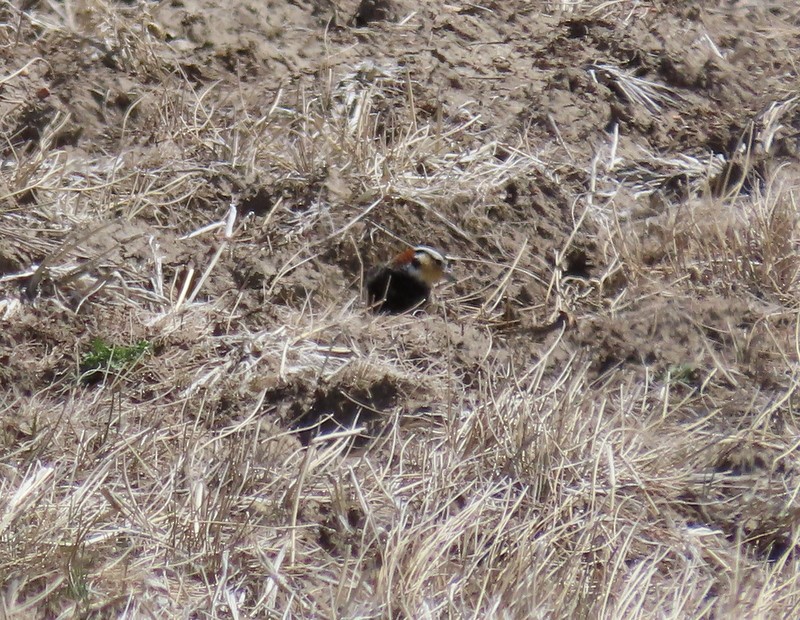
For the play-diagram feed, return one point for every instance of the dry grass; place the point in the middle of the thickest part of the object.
(472, 463)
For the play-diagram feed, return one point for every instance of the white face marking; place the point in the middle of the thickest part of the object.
(429, 265)
(435, 255)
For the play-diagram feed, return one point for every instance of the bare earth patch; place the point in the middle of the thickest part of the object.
(200, 417)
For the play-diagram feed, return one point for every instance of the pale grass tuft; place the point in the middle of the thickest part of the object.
(634, 458)
(648, 94)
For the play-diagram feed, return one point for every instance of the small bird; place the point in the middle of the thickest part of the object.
(406, 282)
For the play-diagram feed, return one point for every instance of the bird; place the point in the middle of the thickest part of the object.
(405, 283)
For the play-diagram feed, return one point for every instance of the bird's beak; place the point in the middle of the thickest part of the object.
(447, 272)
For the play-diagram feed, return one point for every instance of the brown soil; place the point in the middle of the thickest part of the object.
(632, 219)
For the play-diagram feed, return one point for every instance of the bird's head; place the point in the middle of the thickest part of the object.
(426, 264)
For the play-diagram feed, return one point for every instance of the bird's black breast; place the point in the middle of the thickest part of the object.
(395, 291)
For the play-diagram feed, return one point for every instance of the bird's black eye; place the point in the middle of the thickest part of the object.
(415, 263)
